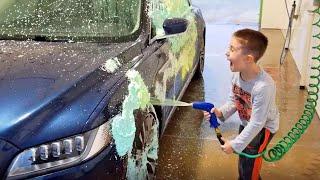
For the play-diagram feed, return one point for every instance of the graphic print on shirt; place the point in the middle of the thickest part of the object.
(242, 102)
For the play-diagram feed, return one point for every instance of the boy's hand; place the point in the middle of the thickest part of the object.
(216, 111)
(227, 148)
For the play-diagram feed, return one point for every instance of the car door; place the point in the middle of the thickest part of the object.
(181, 51)
(183, 46)
(176, 54)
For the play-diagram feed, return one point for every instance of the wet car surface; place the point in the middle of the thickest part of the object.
(65, 84)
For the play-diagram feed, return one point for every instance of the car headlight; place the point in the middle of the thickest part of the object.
(62, 153)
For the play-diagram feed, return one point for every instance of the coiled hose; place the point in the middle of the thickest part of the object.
(284, 145)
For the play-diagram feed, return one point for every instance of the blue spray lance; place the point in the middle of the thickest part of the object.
(205, 106)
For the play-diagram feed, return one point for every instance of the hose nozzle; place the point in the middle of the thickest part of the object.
(205, 106)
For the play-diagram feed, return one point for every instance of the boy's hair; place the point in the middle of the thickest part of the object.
(253, 41)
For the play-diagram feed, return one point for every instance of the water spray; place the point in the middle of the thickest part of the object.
(168, 102)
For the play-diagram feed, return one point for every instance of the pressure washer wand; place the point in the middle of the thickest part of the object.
(205, 106)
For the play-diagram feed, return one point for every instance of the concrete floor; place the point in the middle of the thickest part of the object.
(189, 148)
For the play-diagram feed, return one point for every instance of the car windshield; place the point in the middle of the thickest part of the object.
(68, 19)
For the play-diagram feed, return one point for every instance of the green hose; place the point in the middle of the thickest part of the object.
(284, 145)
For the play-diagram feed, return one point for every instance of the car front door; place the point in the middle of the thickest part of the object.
(182, 48)
(177, 53)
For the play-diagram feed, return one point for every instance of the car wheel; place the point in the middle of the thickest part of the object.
(142, 160)
(200, 66)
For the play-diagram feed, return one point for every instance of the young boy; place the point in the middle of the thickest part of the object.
(253, 96)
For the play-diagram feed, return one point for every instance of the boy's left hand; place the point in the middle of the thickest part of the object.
(227, 148)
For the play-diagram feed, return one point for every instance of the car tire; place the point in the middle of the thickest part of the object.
(200, 67)
(142, 161)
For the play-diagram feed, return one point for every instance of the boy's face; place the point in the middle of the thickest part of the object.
(236, 55)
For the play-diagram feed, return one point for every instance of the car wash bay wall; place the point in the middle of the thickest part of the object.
(274, 16)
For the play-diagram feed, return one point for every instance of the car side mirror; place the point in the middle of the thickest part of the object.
(175, 26)
(172, 27)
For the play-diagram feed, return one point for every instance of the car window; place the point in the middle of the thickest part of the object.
(69, 18)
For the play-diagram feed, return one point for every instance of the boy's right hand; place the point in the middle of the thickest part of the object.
(216, 111)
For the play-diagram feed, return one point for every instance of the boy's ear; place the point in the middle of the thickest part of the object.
(250, 58)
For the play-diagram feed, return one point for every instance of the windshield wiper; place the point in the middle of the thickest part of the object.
(41, 38)
(50, 39)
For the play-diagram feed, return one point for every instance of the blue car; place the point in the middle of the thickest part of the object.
(76, 78)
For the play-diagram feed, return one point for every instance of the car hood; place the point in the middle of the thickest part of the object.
(50, 86)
